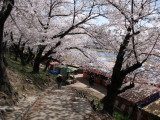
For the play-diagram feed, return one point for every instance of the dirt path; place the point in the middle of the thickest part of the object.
(61, 104)
(97, 90)
(55, 104)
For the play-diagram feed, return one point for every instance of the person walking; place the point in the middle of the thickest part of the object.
(91, 80)
(59, 80)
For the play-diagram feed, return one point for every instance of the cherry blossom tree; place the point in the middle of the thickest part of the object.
(18, 35)
(134, 23)
(19, 48)
(5, 9)
(50, 21)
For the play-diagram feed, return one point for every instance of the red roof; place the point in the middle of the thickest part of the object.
(139, 92)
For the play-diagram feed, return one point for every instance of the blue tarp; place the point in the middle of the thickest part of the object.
(53, 72)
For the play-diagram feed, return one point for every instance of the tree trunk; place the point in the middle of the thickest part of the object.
(16, 52)
(21, 53)
(22, 58)
(16, 56)
(5, 85)
(36, 66)
(118, 75)
(5, 61)
(46, 66)
(40, 58)
(117, 78)
(30, 56)
(109, 100)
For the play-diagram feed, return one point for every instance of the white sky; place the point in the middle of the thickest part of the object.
(99, 21)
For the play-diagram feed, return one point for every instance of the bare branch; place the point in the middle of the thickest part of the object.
(120, 10)
(87, 18)
(131, 68)
(78, 49)
(151, 49)
(151, 54)
(74, 14)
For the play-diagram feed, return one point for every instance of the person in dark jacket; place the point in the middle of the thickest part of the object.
(59, 80)
(91, 79)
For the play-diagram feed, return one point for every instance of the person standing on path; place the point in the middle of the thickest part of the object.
(59, 80)
(91, 80)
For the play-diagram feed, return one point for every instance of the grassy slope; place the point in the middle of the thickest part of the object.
(23, 81)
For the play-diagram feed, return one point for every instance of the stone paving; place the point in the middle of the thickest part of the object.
(20, 109)
(57, 104)
(61, 104)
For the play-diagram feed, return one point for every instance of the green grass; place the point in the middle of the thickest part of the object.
(40, 80)
(119, 116)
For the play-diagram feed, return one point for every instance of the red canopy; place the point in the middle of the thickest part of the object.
(54, 63)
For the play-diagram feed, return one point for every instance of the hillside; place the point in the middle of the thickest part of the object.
(24, 82)
(30, 88)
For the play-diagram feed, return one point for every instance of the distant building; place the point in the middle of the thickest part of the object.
(131, 102)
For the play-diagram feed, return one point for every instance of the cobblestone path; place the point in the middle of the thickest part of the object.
(59, 105)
